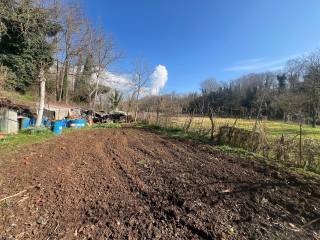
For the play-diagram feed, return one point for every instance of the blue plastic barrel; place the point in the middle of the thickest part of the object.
(57, 127)
(33, 122)
(46, 122)
(77, 123)
(26, 122)
(65, 123)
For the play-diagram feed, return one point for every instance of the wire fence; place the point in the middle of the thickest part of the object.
(271, 139)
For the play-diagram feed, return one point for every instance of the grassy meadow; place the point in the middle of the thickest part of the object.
(271, 128)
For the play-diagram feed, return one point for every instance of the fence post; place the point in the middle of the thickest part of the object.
(300, 144)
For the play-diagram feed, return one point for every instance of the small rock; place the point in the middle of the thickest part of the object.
(231, 231)
(264, 200)
(42, 221)
(80, 230)
(226, 190)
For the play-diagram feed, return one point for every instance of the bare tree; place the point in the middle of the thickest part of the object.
(104, 53)
(210, 85)
(311, 84)
(294, 70)
(72, 21)
(140, 80)
(128, 103)
(56, 16)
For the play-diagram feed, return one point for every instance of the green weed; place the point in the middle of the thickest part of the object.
(28, 136)
(107, 125)
(142, 162)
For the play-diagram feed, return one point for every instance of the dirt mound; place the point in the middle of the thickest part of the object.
(134, 184)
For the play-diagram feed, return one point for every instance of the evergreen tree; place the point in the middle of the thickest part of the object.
(282, 82)
(115, 98)
(24, 46)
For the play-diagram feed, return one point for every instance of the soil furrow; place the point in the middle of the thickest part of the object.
(135, 184)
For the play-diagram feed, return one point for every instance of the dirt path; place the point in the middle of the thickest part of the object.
(134, 184)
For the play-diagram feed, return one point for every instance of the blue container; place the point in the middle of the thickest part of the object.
(26, 123)
(33, 122)
(77, 123)
(57, 127)
(46, 122)
(65, 123)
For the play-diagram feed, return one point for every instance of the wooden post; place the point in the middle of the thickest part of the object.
(300, 144)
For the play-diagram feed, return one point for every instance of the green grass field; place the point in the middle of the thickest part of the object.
(272, 128)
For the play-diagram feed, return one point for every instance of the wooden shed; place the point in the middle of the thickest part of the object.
(11, 115)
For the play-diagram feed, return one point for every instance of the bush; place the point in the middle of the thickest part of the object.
(238, 137)
(283, 150)
(287, 151)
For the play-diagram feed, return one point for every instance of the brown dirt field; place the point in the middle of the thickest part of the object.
(135, 184)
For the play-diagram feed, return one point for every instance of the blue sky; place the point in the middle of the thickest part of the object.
(197, 39)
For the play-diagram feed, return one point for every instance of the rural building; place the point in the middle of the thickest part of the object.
(12, 116)
(60, 111)
(8, 121)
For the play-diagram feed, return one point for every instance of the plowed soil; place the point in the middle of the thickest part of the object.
(135, 184)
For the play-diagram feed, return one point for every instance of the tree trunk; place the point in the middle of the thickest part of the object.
(42, 97)
(136, 112)
(314, 119)
(158, 113)
(96, 91)
(66, 85)
(211, 116)
(285, 117)
(62, 81)
(57, 80)
(137, 107)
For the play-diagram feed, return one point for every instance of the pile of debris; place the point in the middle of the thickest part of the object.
(105, 117)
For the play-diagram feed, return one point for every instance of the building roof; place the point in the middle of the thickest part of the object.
(21, 109)
(6, 103)
(56, 106)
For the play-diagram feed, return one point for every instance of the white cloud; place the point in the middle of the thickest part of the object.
(124, 83)
(159, 78)
(114, 80)
(251, 61)
(259, 64)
